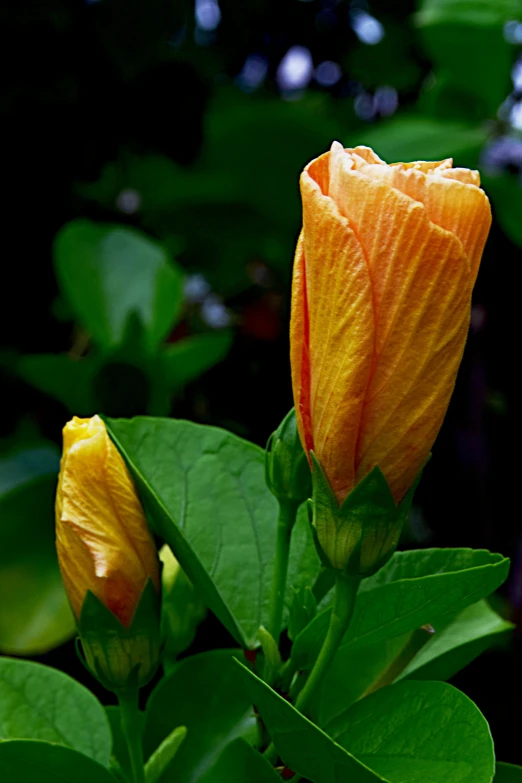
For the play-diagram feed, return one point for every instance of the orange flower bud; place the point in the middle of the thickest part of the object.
(383, 275)
(103, 541)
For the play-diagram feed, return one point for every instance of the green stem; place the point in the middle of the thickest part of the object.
(285, 523)
(342, 611)
(131, 727)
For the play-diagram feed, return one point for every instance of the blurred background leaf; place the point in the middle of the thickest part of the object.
(466, 43)
(108, 273)
(34, 612)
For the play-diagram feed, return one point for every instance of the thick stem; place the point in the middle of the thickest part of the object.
(130, 724)
(285, 523)
(342, 611)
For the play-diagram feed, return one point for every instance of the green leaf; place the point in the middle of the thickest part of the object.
(508, 773)
(367, 665)
(203, 694)
(466, 41)
(187, 474)
(417, 137)
(26, 761)
(419, 731)
(37, 616)
(108, 272)
(164, 754)
(186, 360)
(181, 608)
(37, 702)
(303, 747)
(411, 590)
(239, 763)
(417, 655)
(457, 643)
(506, 193)
(24, 465)
(68, 380)
(478, 12)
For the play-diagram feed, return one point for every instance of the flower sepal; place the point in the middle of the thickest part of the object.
(121, 658)
(358, 537)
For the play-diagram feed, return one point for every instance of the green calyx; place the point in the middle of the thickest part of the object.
(122, 659)
(358, 537)
(286, 467)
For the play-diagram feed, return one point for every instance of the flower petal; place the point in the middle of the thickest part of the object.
(332, 273)
(103, 541)
(452, 198)
(421, 291)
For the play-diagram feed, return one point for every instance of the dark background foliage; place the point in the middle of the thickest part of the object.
(192, 125)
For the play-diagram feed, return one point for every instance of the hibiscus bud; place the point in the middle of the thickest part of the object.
(286, 466)
(383, 275)
(107, 557)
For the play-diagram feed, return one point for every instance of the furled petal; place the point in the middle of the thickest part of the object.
(452, 198)
(421, 286)
(332, 331)
(103, 541)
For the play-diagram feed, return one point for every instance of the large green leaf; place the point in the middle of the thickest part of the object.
(419, 731)
(109, 272)
(37, 702)
(421, 654)
(28, 761)
(414, 588)
(34, 612)
(508, 773)
(303, 747)
(205, 492)
(202, 693)
(239, 763)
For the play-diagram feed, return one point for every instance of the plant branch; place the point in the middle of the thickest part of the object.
(130, 724)
(342, 611)
(285, 524)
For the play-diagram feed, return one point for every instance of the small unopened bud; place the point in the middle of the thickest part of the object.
(287, 469)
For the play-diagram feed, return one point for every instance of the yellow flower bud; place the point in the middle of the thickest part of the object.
(102, 537)
(382, 284)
